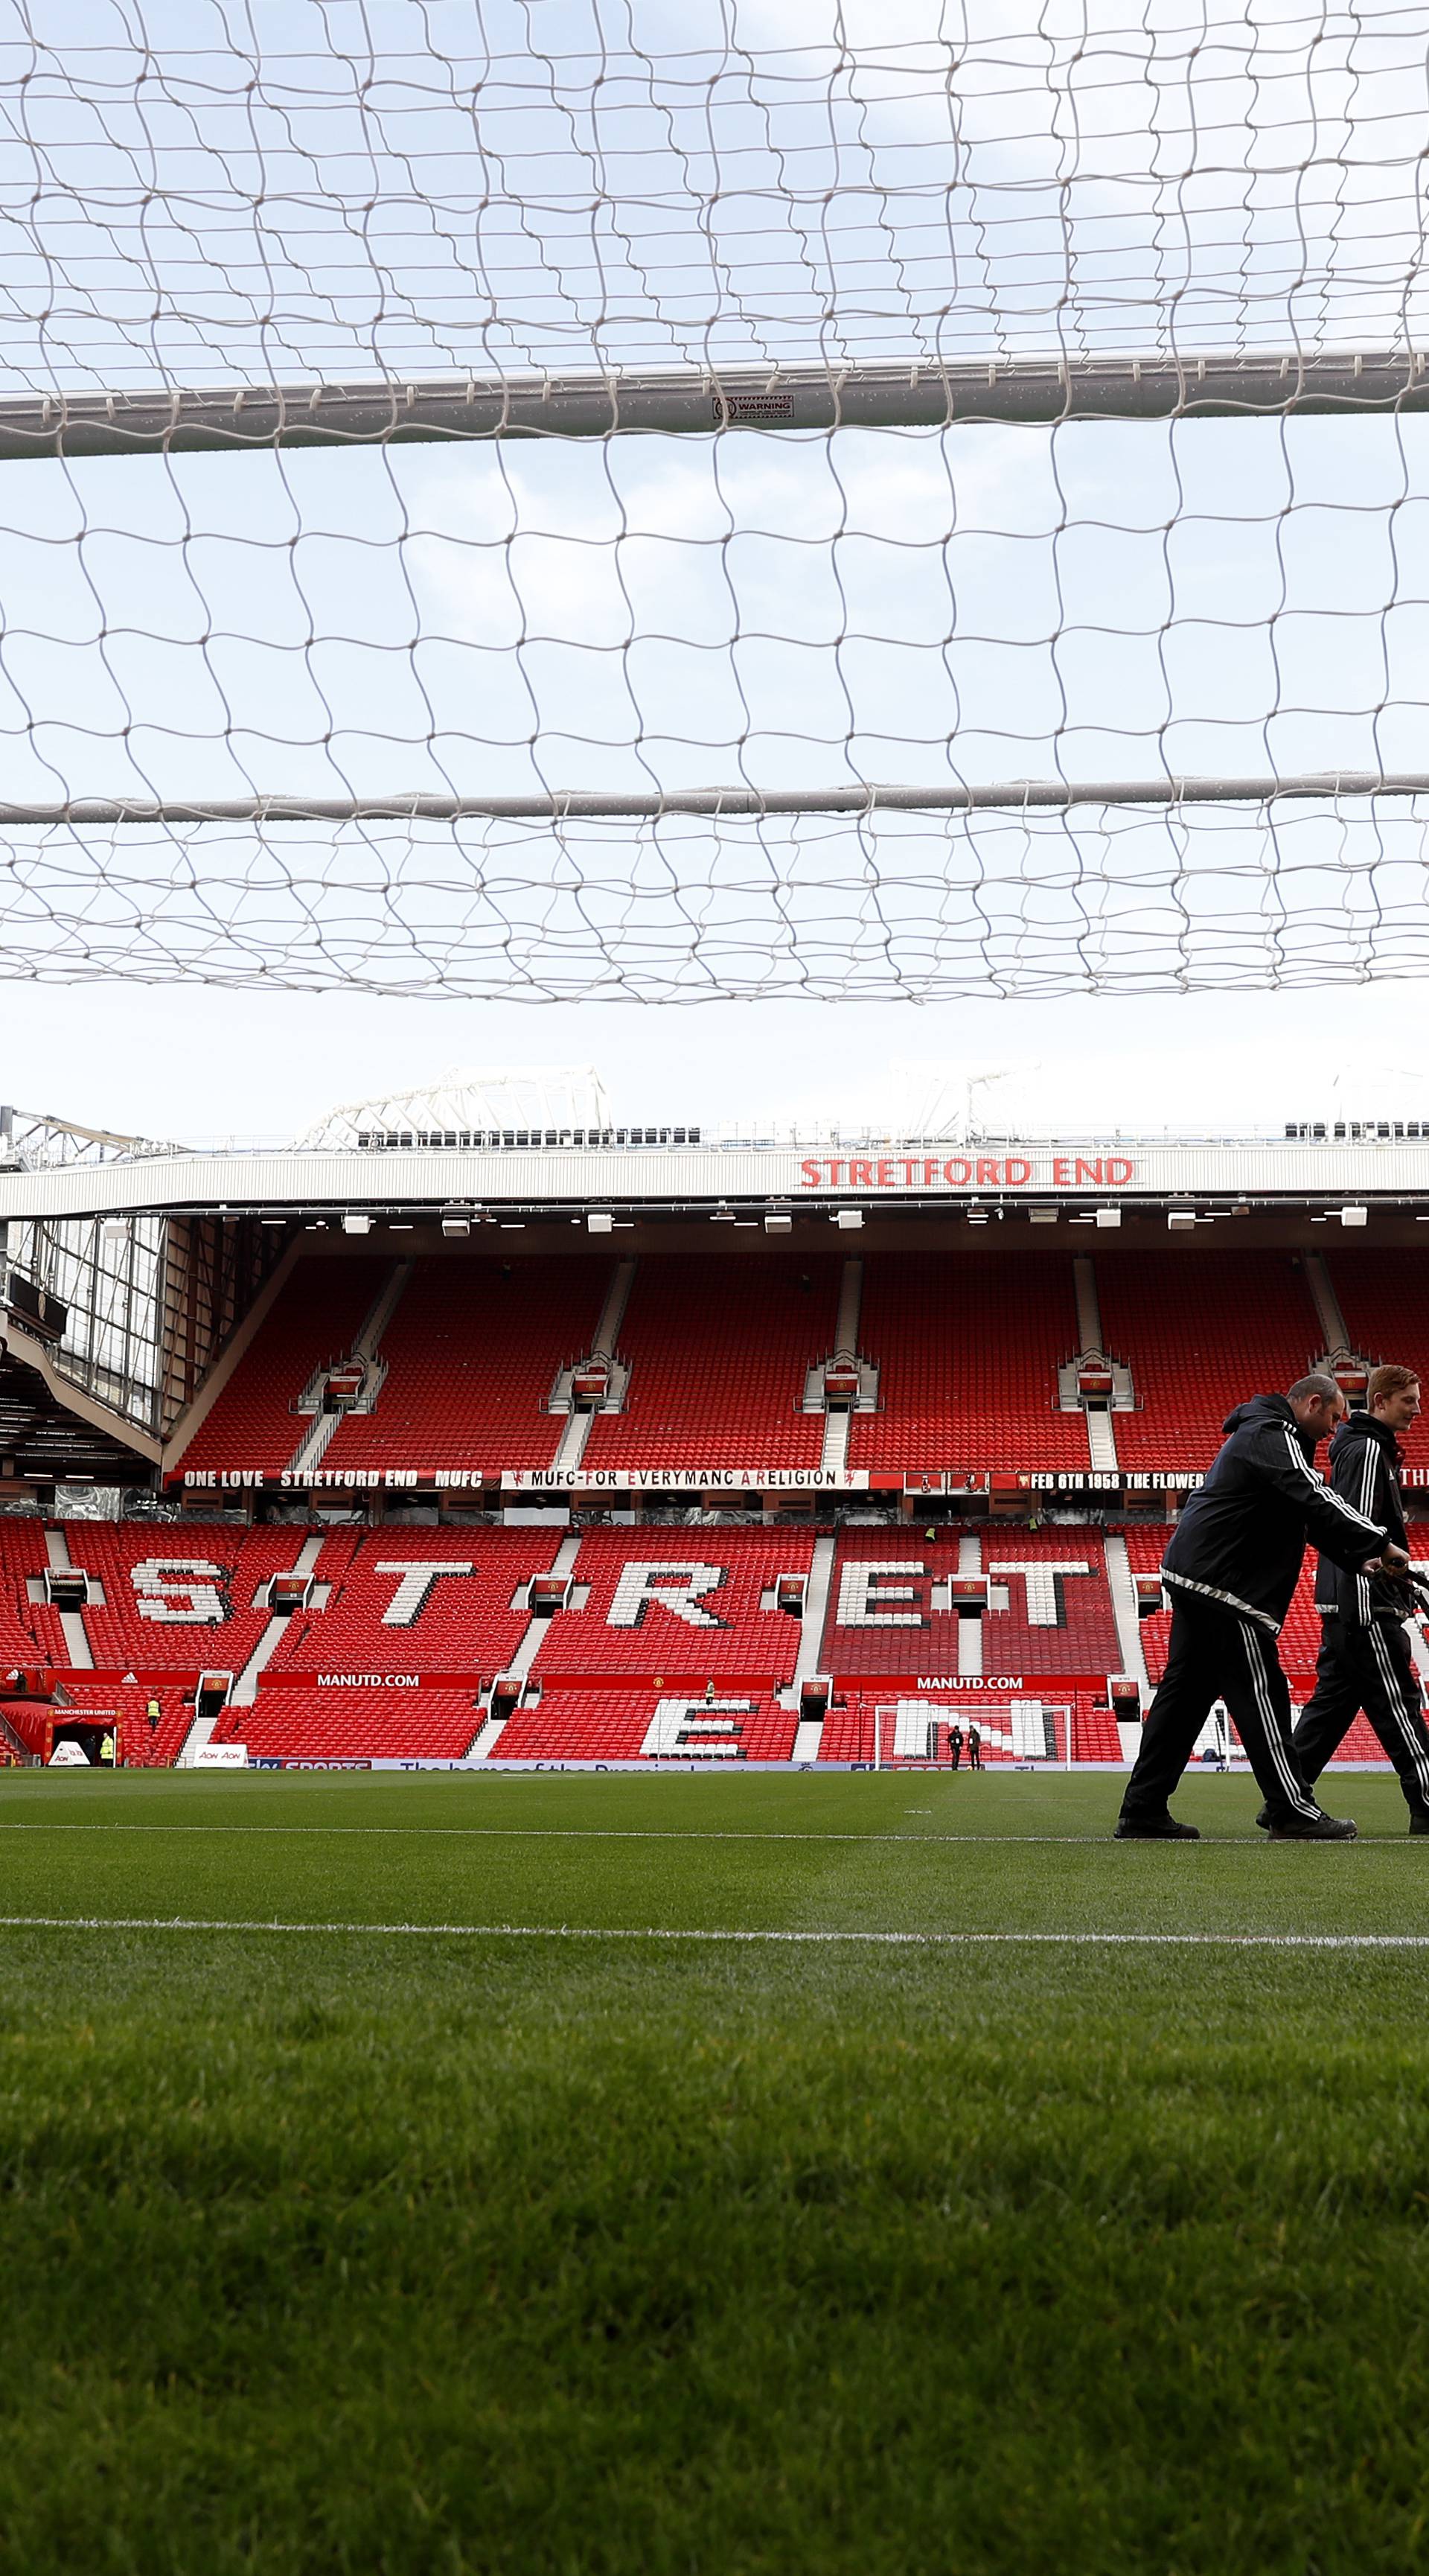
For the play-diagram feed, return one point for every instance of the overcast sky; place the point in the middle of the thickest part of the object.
(196, 1065)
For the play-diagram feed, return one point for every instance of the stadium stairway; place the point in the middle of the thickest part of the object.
(475, 1361)
(576, 1430)
(245, 1687)
(838, 1418)
(517, 1671)
(71, 1622)
(1101, 1432)
(1333, 1332)
(811, 1640)
(366, 1350)
(304, 1319)
(968, 1357)
(1121, 1583)
(719, 1349)
(1200, 1333)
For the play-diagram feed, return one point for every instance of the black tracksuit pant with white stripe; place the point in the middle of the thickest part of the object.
(1367, 1666)
(1215, 1654)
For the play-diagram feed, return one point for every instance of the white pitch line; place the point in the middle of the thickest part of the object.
(621, 1834)
(659, 1932)
(543, 1833)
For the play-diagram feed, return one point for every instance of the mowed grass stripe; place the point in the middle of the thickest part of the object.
(904, 1877)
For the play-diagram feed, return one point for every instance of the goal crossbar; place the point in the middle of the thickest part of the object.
(690, 400)
(718, 803)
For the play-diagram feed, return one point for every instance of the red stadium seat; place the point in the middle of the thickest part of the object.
(719, 1350)
(316, 1318)
(967, 1352)
(472, 1353)
(1200, 1331)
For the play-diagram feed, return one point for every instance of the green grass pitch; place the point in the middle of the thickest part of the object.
(389, 2250)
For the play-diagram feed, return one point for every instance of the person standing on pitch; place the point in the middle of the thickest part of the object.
(1365, 1662)
(974, 1746)
(955, 1744)
(1231, 1569)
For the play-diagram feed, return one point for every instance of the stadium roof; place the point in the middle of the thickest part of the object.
(467, 1098)
(680, 1171)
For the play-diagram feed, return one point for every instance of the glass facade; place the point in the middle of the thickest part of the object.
(109, 1276)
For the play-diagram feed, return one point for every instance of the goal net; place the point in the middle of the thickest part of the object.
(758, 497)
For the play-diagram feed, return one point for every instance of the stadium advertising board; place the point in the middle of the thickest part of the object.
(708, 1480)
(690, 1480)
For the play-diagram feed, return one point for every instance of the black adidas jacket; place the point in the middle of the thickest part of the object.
(1241, 1540)
(1364, 1464)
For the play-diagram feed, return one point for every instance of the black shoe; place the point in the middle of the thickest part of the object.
(1264, 1820)
(1314, 1829)
(1154, 1829)
(1419, 1824)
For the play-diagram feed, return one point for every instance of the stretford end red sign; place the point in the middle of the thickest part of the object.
(966, 1172)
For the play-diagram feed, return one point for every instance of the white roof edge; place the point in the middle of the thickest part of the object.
(1085, 1170)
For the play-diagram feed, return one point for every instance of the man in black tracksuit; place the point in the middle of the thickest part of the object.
(1365, 1662)
(1231, 1569)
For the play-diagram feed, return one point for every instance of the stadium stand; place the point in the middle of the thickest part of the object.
(617, 1726)
(471, 1354)
(684, 1602)
(967, 1352)
(30, 1632)
(336, 1726)
(1094, 1737)
(915, 1731)
(602, 1669)
(718, 1352)
(1299, 1638)
(315, 1318)
(1384, 1299)
(176, 1597)
(848, 1730)
(443, 1604)
(1051, 1612)
(1199, 1333)
(1360, 1745)
(141, 1747)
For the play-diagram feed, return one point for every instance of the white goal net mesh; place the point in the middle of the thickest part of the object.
(414, 192)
